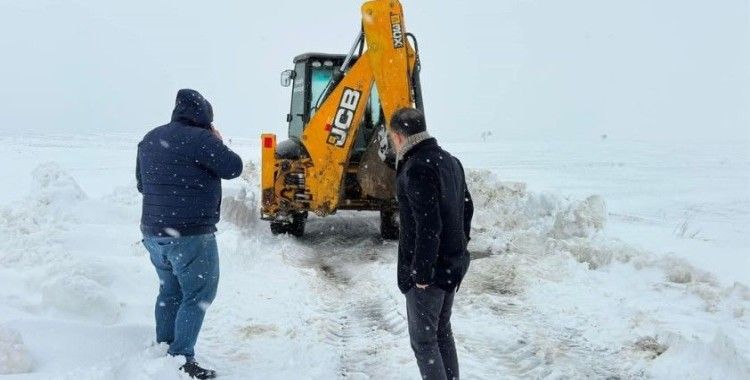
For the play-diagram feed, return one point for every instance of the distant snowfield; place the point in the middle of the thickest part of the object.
(599, 259)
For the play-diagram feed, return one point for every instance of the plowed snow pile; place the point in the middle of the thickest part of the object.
(551, 293)
(574, 295)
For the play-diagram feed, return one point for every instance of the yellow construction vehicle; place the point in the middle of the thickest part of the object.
(338, 156)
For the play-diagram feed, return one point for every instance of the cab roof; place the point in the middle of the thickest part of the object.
(307, 56)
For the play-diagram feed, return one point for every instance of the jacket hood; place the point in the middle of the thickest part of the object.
(193, 109)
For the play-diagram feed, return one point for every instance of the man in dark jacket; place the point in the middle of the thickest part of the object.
(435, 212)
(179, 170)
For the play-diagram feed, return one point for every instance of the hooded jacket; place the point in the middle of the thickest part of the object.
(435, 210)
(179, 169)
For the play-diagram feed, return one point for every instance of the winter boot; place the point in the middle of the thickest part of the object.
(196, 372)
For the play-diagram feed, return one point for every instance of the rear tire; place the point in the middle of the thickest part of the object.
(278, 228)
(295, 228)
(389, 222)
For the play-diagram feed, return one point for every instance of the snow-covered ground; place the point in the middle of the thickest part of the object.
(600, 259)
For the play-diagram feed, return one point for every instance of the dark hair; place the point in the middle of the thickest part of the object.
(408, 121)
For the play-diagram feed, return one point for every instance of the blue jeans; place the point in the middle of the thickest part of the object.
(188, 269)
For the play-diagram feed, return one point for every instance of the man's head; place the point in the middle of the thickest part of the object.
(193, 109)
(404, 123)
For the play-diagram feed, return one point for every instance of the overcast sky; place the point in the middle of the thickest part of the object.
(633, 69)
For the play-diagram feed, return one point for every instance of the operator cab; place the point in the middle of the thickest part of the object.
(310, 78)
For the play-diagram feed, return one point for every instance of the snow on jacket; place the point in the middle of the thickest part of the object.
(435, 210)
(179, 170)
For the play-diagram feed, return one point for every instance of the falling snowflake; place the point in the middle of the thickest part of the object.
(172, 232)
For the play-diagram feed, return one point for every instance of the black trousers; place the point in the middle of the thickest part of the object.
(429, 315)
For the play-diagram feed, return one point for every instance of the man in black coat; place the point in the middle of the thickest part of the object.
(179, 170)
(435, 210)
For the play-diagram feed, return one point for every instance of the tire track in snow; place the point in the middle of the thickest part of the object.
(363, 322)
(524, 343)
(497, 333)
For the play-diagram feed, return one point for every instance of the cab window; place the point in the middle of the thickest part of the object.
(320, 77)
(297, 111)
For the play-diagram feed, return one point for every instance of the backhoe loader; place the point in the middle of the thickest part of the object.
(337, 155)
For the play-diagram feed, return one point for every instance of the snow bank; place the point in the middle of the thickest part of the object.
(14, 358)
(33, 223)
(38, 229)
(242, 209)
(685, 359)
(510, 219)
(551, 255)
(54, 187)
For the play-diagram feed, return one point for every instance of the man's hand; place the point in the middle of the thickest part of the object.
(422, 286)
(216, 133)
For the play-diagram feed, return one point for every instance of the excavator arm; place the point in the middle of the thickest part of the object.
(388, 62)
